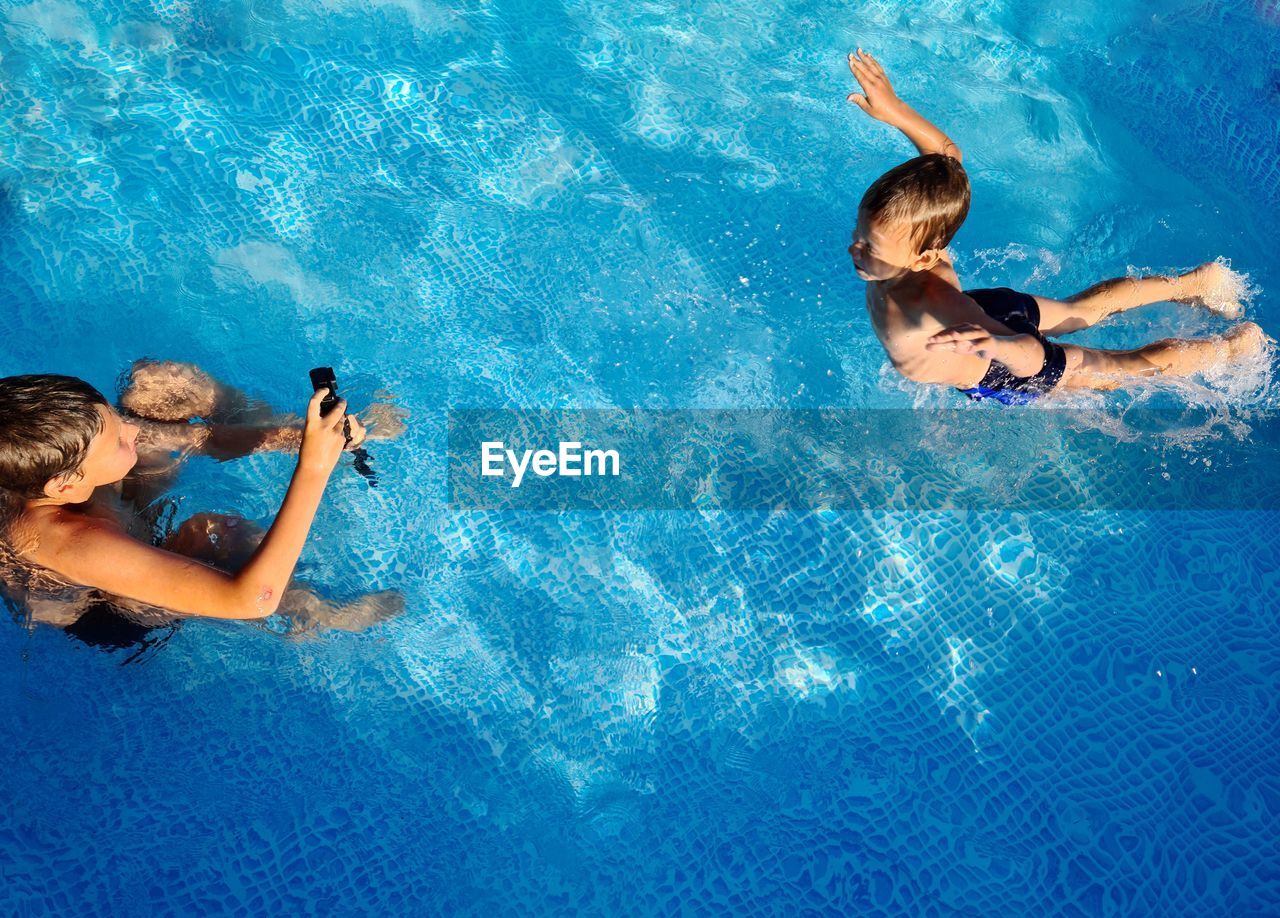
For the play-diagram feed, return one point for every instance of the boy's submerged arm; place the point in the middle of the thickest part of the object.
(380, 421)
(231, 441)
(880, 102)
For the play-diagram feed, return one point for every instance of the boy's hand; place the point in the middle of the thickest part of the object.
(357, 432)
(322, 438)
(1022, 354)
(879, 101)
(964, 339)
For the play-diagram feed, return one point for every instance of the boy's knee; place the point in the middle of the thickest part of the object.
(1083, 368)
(224, 541)
(1164, 355)
(165, 390)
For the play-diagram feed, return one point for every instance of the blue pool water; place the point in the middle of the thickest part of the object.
(573, 203)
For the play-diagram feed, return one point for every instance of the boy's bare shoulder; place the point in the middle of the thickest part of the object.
(44, 534)
(925, 294)
(928, 294)
(21, 535)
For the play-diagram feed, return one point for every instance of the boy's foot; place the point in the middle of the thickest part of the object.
(1215, 287)
(309, 613)
(367, 611)
(384, 421)
(1245, 340)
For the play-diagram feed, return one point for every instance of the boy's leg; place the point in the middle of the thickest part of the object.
(1093, 368)
(1212, 285)
(164, 396)
(170, 392)
(228, 542)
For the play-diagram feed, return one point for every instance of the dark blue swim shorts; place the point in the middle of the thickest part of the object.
(1021, 313)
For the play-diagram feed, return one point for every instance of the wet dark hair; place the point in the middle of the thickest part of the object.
(929, 193)
(46, 425)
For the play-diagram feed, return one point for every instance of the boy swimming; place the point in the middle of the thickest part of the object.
(76, 476)
(995, 343)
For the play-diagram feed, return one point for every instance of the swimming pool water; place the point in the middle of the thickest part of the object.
(585, 204)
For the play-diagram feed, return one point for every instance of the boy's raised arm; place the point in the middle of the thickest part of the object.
(879, 101)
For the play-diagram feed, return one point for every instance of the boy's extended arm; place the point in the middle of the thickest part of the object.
(970, 331)
(95, 554)
(1023, 354)
(880, 102)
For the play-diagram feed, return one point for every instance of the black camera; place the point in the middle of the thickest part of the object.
(323, 378)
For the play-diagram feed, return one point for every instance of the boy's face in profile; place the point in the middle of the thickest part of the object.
(112, 453)
(882, 250)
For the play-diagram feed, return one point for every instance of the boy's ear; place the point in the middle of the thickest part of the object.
(59, 487)
(927, 260)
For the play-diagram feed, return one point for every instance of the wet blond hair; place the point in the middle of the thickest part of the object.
(929, 194)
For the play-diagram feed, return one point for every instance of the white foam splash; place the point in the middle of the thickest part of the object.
(1233, 295)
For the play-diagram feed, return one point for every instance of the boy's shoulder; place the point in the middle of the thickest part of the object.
(924, 292)
(43, 534)
(22, 534)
